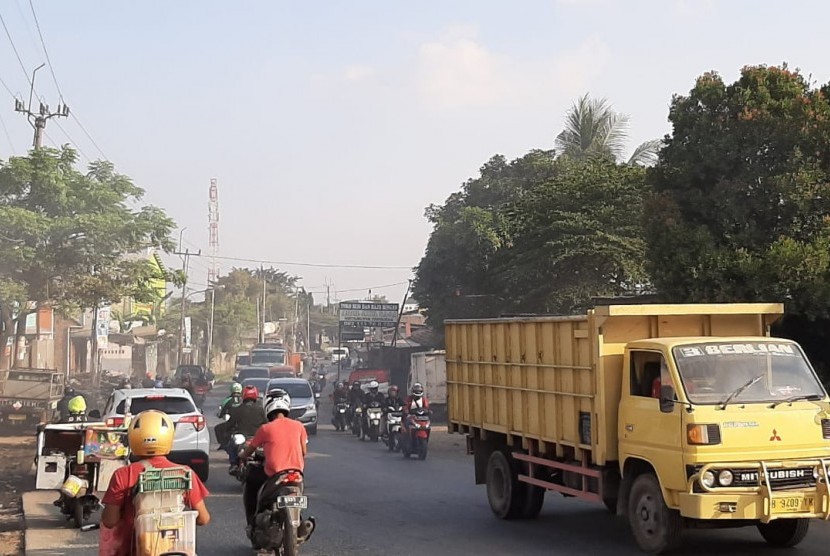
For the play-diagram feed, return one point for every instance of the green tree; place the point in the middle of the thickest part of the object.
(741, 210)
(594, 129)
(66, 235)
(536, 235)
(576, 236)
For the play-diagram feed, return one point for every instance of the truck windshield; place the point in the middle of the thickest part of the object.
(711, 372)
(268, 357)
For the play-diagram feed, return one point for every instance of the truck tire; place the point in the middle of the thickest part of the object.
(784, 533)
(655, 526)
(534, 499)
(504, 492)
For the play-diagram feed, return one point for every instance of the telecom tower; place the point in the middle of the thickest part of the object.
(213, 227)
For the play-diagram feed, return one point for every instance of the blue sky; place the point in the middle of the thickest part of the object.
(331, 125)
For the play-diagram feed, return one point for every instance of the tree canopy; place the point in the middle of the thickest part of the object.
(741, 210)
(538, 234)
(65, 234)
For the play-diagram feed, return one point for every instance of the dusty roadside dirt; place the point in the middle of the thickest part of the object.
(16, 456)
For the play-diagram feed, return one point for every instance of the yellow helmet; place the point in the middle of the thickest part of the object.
(151, 434)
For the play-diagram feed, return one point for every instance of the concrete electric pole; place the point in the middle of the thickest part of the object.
(38, 119)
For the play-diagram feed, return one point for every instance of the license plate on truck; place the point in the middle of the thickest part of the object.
(792, 504)
(17, 417)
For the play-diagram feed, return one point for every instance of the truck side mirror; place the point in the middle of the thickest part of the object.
(667, 400)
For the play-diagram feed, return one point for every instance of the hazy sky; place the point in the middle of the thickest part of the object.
(331, 125)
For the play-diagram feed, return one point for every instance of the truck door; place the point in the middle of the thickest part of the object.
(644, 430)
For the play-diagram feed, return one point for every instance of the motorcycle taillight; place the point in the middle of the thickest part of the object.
(292, 477)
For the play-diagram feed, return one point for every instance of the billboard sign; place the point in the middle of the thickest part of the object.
(368, 314)
(102, 325)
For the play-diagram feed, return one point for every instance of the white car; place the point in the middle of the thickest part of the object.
(338, 353)
(191, 445)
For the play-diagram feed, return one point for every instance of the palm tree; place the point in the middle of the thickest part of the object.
(594, 128)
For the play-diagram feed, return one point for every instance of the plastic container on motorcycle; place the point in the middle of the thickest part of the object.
(238, 439)
(74, 486)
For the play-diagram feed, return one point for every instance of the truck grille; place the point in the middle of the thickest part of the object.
(825, 428)
(779, 479)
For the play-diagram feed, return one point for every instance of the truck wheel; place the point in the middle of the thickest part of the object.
(655, 526)
(534, 499)
(504, 491)
(784, 533)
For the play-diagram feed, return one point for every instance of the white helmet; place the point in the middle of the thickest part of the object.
(373, 385)
(282, 403)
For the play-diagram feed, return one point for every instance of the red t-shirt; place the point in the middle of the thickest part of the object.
(121, 487)
(282, 440)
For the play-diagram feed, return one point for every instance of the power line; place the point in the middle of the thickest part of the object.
(6, 131)
(74, 116)
(45, 52)
(16, 53)
(7, 88)
(316, 265)
(60, 127)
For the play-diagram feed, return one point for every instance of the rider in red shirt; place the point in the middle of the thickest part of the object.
(151, 439)
(416, 399)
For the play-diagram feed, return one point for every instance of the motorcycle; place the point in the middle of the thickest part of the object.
(278, 519)
(241, 471)
(357, 420)
(77, 501)
(339, 419)
(392, 435)
(371, 422)
(416, 438)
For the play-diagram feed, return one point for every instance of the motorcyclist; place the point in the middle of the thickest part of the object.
(151, 439)
(355, 394)
(234, 399)
(245, 420)
(285, 444)
(125, 384)
(415, 400)
(75, 410)
(63, 412)
(392, 399)
(187, 384)
(372, 395)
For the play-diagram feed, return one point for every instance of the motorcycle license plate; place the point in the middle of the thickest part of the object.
(292, 502)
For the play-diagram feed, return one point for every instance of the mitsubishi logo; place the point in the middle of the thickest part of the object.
(774, 437)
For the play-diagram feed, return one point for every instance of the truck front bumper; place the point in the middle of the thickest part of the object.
(762, 502)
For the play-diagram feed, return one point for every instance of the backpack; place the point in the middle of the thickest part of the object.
(162, 522)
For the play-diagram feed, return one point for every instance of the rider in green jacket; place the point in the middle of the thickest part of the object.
(233, 400)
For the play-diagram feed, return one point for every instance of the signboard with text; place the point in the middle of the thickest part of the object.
(368, 314)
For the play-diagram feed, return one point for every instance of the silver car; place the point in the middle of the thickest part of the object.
(191, 444)
(303, 401)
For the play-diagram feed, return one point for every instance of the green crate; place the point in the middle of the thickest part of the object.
(161, 480)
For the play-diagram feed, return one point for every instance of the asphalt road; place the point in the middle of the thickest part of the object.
(370, 502)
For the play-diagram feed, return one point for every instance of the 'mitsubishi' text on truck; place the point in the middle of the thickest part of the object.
(670, 415)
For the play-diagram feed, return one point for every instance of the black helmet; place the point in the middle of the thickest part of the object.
(356, 384)
(68, 391)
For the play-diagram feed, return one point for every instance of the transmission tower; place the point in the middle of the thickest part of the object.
(213, 228)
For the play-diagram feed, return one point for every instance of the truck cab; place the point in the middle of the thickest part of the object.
(733, 428)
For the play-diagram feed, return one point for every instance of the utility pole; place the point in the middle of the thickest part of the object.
(264, 297)
(185, 267)
(38, 119)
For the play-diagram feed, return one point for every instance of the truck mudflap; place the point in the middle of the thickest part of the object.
(760, 490)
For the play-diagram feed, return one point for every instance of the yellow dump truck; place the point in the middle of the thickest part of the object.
(670, 415)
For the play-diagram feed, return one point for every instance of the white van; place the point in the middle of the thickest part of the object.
(338, 353)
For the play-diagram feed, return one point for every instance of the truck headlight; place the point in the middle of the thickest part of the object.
(725, 478)
(708, 479)
(702, 435)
